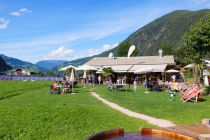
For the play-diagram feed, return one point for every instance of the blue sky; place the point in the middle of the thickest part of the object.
(69, 29)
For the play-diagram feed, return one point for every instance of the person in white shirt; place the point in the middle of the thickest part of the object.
(99, 79)
(173, 77)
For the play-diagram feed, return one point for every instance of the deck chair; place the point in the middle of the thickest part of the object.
(192, 93)
(54, 90)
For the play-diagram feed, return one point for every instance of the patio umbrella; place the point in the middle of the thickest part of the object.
(67, 67)
(172, 71)
(72, 75)
(85, 74)
(144, 70)
(190, 66)
(206, 74)
(72, 79)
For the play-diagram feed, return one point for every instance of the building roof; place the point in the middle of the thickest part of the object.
(133, 68)
(117, 68)
(141, 60)
(155, 68)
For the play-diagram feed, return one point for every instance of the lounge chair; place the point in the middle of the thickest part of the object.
(191, 93)
(54, 90)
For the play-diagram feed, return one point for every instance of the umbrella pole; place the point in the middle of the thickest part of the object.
(146, 83)
(85, 78)
(72, 90)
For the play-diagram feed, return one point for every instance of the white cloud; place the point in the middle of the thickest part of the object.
(20, 12)
(59, 53)
(198, 2)
(3, 23)
(103, 48)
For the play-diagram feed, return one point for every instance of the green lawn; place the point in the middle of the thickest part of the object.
(27, 111)
(159, 105)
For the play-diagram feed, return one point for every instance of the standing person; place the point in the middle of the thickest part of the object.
(173, 77)
(124, 80)
(89, 79)
(93, 79)
(99, 79)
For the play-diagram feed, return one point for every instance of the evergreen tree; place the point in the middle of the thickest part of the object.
(167, 48)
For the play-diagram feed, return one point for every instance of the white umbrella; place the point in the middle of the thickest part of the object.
(72, 80)
(67, 67)
(172, 71)
(85, 74)
(72, 75)
(144, 70)
(190, 66)
(207, 61)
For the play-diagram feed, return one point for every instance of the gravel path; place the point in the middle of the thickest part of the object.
(149, 119)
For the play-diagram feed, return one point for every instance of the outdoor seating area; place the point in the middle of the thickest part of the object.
(62, 87)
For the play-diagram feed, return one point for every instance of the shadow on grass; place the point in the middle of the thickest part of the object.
(9, 96)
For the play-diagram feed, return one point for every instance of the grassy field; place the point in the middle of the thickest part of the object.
(159, 105)
(29, 112)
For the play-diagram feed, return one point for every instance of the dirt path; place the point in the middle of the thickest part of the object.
(149, 119)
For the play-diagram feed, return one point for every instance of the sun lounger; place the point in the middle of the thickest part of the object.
(192, 93)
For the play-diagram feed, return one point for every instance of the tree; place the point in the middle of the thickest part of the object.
(123, 47)
(107, 72)
(167, 48)
(197, 44)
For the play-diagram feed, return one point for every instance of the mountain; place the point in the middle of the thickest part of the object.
(169, 28)
(49, 64)
(4, 66)
(16, 63)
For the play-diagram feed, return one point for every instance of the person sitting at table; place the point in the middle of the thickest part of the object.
(119, 81)
(156, 87)
(66, 87)
(174, 86)
(150, 84)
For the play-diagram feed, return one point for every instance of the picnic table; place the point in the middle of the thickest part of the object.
(121, 86)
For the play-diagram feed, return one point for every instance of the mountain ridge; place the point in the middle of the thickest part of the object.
(17, 63)
(49, 64)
